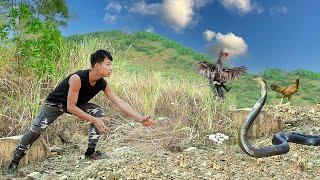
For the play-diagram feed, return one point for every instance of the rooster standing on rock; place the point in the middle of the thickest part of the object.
(218, 75)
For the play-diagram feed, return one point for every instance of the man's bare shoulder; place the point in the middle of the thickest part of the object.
(74, 79)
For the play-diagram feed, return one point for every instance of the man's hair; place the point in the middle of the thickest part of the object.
(99, 56)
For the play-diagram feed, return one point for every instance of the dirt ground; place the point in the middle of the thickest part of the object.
(138, 159)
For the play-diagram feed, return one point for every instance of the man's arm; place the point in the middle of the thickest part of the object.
(122, 105)
(74, 87)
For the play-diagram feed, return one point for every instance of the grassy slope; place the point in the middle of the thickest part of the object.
(152, 52)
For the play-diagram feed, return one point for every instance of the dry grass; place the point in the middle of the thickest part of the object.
(185, 112)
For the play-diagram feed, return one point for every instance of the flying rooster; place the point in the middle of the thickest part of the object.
(218, 75)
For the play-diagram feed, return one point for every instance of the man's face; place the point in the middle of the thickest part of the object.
(105, 67)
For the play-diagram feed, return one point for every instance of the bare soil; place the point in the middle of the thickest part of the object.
(138, 158)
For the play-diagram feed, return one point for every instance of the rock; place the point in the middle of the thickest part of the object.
(59, 171)
(190, 149)
(120, 149)
(63, 177)
(209, 173)
(161, 118)
(100, 173)
(264, 124)
(57, 149)
(54, 154)
(312, 111)
(34, 175)
(174, 148)
(38, 151)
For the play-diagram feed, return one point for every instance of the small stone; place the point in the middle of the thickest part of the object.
(54, 154)
(190, 149)
(63, 177)
(161, 118)
(59, 171)
(100, 173)
(310, 165)
(204, 164)
(57, 149)
(34, 175)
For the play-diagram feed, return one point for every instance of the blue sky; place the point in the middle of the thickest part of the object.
(259, 34)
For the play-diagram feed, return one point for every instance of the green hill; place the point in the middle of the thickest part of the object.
(149, 51)
(152, 52)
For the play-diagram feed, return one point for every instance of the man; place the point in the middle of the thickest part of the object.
(72, 96)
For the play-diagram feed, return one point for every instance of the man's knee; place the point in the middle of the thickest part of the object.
(37, 129)
(39, 125)
(96, 112)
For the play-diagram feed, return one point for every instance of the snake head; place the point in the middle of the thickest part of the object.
(262, 83)
(257, 78)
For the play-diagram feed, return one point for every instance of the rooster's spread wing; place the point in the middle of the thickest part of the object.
(204, 68)
(232, 73)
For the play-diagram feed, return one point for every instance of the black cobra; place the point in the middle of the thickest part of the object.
(280, 140)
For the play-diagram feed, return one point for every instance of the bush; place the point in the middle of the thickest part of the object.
(37, 42)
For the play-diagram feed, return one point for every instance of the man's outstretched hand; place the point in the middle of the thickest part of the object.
(148, 122)
(99, 124)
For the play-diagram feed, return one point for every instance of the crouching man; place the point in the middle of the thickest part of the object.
(72, 96)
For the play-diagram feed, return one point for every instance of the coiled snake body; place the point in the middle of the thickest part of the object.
(280, 140)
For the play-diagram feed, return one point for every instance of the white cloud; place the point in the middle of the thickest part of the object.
(234, 45)
(178, 13)
(150, 29)
(142, 7)
(209, 35)
(114, 5)
(278, 10)
(243, 6)
(109, 18)
(115, 8)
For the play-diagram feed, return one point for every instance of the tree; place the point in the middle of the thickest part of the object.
(32, 27)
(54, 10)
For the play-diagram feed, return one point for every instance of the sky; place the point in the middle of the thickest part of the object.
(260, 34)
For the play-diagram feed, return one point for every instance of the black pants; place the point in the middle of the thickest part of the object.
(48, 113)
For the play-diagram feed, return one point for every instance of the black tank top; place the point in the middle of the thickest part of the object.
(60, 94)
